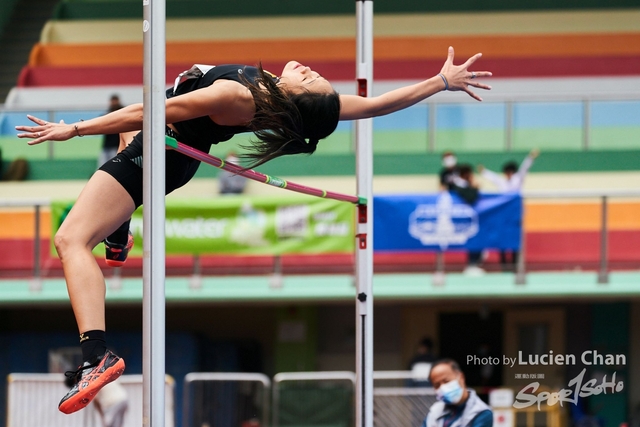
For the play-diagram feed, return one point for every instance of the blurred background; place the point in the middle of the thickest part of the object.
(566, 87)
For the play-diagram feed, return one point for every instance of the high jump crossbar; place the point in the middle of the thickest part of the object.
(258, 176)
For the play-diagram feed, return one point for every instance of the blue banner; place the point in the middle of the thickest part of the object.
(432, 222)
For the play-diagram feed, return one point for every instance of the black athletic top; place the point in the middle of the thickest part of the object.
(202, 132)
(199, 133)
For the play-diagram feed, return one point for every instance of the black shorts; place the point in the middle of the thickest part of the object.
(126, 168)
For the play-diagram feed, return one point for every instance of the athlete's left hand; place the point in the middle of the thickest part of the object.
(460, 78)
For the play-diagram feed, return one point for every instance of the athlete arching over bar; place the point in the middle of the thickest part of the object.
(289, 115)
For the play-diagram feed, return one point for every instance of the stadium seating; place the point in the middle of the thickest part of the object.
(528, 45)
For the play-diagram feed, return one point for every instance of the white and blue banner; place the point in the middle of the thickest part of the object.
(443, 221)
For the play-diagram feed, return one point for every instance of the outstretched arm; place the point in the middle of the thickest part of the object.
(123, 120)
(458, 78)
(226, 102)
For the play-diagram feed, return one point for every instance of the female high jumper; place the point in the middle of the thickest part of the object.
(288, 114)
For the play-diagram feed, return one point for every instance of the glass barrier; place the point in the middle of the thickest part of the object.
(491, 126)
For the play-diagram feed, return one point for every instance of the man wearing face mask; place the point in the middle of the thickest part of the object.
(449, 172)
(457, 405)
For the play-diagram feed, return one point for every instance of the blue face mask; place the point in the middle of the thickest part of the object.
(450, 393)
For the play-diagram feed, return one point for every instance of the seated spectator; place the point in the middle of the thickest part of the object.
(229, 182)
(458, 405)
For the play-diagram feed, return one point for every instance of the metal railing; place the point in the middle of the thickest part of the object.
(401, 398)
(604, 196)
(35, 283)
(32, 401)
(318, 390)
(579, 111)
(68, 114)
(439, 277)
(217, 398)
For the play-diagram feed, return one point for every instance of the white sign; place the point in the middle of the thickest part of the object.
(501, 398)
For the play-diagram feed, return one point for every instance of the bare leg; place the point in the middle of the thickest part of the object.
(120, 235)
(101, 207)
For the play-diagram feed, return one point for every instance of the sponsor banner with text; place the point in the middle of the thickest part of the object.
(243, 225)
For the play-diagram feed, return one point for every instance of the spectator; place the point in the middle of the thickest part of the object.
(420, 364)
(511, 182)
(464, 186)
(458, 406)
(18, 170)
(110, 142)
(229, 182)
(449, 169)
(513, 178)
(111, 403)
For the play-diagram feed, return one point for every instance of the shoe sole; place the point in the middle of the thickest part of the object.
(112, 263)
(116, 263)
(86, 395)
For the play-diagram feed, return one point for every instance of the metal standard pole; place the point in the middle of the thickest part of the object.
(35, 285)
(51, 119)
(508, 125)
(603, 274)
(36, 244)
(364, 244)
(153, 353)
(521, 274)
(431, 127)
(439, 277)
(586, 125)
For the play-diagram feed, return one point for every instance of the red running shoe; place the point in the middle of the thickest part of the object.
(115, 253)
(89, 379)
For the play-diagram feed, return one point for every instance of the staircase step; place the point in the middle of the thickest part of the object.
(20, 34)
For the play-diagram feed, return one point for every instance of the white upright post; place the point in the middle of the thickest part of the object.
(364, 243)
(153, 352)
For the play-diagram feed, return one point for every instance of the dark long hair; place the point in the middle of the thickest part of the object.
(284, 121)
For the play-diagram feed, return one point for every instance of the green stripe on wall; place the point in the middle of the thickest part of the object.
(384, 141)
(384, 164)
(402, 154)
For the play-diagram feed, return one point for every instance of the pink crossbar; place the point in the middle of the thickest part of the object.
(260, 177)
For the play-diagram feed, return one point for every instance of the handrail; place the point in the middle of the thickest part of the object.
(526, 194)
(30, 108)
(18, 202)
(579, 193)
(605, 195)
(225, 376)
(36, 284)
(507, 100)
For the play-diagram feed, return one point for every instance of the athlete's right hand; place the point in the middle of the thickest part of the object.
(46, 131)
